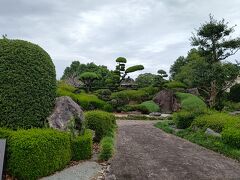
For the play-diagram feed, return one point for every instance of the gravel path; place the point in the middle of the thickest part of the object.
(83, 171)
(146, 152)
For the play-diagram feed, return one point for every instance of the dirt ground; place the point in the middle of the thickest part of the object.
(146, 152)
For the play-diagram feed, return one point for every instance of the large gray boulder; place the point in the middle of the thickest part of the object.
(167, 101)
(65, 111)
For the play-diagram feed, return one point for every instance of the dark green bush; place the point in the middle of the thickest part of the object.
(216, 121)
(37, 152)
(5, 133)
(183, 119)
(234, 93)
(82, 146)
(101, 122)
(231, 106)
(106, 148)
(190, 102)
(27, 84)
(231, 136)
(103, 94)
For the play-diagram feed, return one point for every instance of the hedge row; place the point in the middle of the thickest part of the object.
(36, 153)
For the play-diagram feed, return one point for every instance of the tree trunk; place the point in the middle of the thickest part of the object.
(213, 94)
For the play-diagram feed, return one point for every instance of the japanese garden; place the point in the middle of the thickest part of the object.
(181, 124)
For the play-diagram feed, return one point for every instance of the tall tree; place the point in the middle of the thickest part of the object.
(121, 71)
(215, 44)
(88, 78)
(145, 80)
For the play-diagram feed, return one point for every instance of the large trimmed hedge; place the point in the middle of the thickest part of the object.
(37, 152)
(27, 84)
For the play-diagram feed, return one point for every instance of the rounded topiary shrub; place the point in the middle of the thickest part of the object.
(101, 122)
(234, 93)
(27, 84)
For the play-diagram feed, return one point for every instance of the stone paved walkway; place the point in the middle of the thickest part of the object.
(145, 152)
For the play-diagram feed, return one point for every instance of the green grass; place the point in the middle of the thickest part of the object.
(199, 137)
(190, 102)
(151, 106)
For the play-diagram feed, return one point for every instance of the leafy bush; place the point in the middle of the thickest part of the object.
(174, 85)
(136, 107)
(101, 122)
(86, 101)
(183, 119)
(103, 94)
(151, 106)
(106, 148)
(37, 152)
(27, 84)
(190, 102)
(66, 87)
(231, 106)
(215, 121)
(234, 93)
(82, 146)
(231, 136)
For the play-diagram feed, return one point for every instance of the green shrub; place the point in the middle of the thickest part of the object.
(108, 107)
(5, 133)
(66, 87)
(37, 152)
(101, 122)
(82, 146)
(27, 84)
(190, 102)
(231, 106)
(215, 121)
(183, 119)
(231, 136)
(136, 107)
(234, 93)
(151, 106)
(86, 101)
(175, 85)
(106, 148)
(103, 94)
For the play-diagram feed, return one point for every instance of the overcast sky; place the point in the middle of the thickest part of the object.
(149, 32)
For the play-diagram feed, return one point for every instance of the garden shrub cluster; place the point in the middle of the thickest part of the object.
(216, 121)
(151, 106)
(101, 122)
(121, 98)
(103, 94)
(190, 102)
(231, 136)
(36, 153)
(86, 101)
(82, 146)
(184, 119)
(27, 84)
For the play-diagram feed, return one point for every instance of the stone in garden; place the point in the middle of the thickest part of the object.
(211, 132)
(235, 113)
(167, 101)
(193, 91)
(64, 112)
(155, 114)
